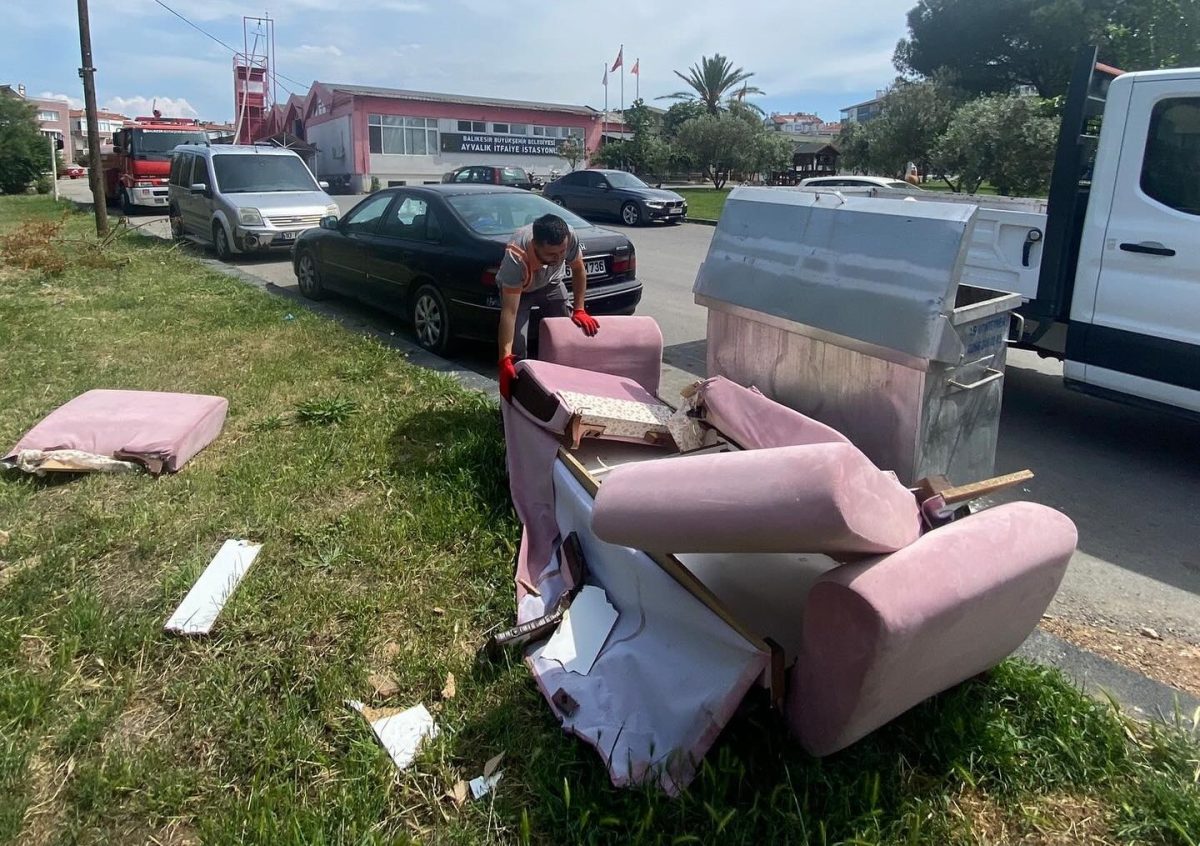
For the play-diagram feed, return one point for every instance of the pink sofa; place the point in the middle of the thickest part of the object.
(877, 635)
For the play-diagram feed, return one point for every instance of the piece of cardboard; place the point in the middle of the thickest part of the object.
(583, 631)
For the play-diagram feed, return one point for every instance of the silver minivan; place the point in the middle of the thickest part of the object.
(243, 199)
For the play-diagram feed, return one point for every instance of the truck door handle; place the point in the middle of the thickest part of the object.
(1152, 248)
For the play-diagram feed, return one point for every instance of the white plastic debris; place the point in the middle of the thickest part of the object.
(581, 634)
(401, 733)
(199, 609)
(484, 785)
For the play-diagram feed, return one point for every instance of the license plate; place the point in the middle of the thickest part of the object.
(288, 236)
(675, 211)
(595, 268)
(160, 201)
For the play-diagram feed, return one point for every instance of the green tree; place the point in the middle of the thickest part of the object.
(718, 145)
(998, 45)
(712, 81)
(678, 115)
(1146, 34)
(771, 153)
(854, 148)
(24, 153)
(1007, 140)
(572, 150)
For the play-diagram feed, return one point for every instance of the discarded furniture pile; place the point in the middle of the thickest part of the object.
(673, 559)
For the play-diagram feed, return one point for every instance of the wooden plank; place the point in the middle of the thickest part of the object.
(966, 493)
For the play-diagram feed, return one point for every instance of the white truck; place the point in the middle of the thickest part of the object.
(1109, 266)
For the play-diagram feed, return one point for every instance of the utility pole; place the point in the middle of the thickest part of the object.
(88, 74)
(54, 157)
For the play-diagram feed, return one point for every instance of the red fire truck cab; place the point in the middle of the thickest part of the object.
(136, 169)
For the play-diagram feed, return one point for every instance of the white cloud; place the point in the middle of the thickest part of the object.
(314, 50)
(75, 102)
(135, 106)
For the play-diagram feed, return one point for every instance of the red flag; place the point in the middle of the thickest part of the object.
(636, 62)
(620, 58)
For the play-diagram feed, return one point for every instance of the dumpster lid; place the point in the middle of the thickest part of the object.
(880, 271)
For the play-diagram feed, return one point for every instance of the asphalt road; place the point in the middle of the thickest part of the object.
(1126, 476)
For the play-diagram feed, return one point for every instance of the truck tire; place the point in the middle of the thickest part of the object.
(127, 207)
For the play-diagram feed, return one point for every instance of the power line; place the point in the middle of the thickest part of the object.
(195, 27)
(235, 51)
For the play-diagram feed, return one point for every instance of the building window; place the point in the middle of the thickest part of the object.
(47, 115)
(500, 128)
(320, 109)
(518, 129)
(402, 136)
(539, 131)
(472, 126)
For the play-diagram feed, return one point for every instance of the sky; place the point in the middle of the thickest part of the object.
(806, 56)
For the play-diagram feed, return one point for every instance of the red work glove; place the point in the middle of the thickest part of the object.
(508, 375)
(586, 322)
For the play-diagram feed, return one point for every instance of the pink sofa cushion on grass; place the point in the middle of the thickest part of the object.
(827, 498)
(882, 635)
(625, 346)
(160, 430)
(753, 421)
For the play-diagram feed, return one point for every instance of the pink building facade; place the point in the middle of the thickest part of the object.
(411, 138)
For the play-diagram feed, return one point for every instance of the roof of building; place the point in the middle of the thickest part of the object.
(813, 146)
(431, 97)
(872, 101)
(798, 117)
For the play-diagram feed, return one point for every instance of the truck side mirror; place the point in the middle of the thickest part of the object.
(199, 188)
(323, 185)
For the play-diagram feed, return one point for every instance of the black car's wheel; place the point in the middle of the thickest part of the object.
(221, 242)
(631, 214)
(176, 221)
(126, 204)
(308, 277)
(558, 201)
(431, 320)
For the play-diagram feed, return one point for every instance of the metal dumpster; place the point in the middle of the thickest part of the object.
(851, 310)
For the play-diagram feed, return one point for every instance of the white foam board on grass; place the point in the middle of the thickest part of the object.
(199, 609)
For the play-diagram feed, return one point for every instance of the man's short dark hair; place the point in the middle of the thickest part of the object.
(551, 230)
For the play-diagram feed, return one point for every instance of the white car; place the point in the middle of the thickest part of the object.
(857, 182)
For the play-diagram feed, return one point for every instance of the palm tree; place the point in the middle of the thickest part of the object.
(712, 81)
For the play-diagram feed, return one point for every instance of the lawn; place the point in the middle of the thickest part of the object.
(377, 490)
(704, 203)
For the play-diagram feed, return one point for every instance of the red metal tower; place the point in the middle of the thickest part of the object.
(254, 78)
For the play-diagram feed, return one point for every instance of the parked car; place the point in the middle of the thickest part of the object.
(242, 199)
(517, 177)
(430, 254)
(615, 193)
(74, 171)
(858, 182)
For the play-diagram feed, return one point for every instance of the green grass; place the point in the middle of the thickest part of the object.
(986, 189)
(704, 203)
(378, 492)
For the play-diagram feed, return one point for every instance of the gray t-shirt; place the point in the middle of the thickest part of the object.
(521, 268)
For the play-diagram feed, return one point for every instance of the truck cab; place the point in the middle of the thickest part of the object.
(136, 170)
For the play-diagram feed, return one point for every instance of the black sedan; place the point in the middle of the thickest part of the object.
(430, 254)
(615, 194)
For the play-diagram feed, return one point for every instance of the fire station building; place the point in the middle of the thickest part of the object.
(413, 137)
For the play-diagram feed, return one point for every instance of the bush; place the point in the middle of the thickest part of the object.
(23, 150)
(44, 184)
(375, 186)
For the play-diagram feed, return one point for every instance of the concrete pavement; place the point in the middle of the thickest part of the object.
(1125, 475)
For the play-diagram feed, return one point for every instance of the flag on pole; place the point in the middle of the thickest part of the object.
(637, 93)
(620, 58)
(634, 71)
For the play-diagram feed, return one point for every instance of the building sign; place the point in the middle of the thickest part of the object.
(505, 145)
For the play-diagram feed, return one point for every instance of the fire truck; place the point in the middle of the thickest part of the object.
(136, 169)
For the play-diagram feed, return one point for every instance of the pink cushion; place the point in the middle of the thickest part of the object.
(882, 635)
(160, 430)
(625, 346)
(825, 498)
(555, 379)
(753, 421)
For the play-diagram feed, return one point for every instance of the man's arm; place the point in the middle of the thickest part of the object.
(510, 298)
(578, 282)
